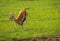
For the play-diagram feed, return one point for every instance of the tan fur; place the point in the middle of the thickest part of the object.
(20, 17)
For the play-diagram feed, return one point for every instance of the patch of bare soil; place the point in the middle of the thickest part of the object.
(56, 38)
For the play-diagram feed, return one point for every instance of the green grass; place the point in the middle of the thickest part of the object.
(43, 19)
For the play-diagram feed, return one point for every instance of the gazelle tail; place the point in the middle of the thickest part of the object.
(27, 8)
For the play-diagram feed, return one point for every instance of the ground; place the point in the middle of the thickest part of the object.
(43, 19)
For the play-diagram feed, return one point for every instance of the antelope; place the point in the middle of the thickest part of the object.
(20, 18)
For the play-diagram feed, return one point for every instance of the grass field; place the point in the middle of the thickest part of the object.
(43, 19)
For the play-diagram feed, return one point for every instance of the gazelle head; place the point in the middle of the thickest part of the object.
(12, 17)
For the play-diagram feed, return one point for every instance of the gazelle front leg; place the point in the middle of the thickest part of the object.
(21, 23)
(22, 26)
